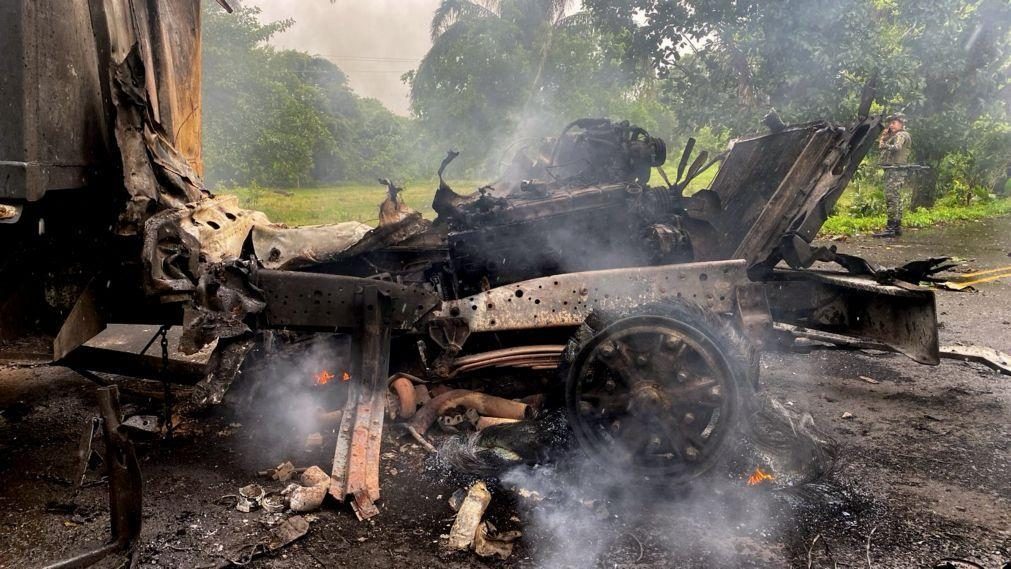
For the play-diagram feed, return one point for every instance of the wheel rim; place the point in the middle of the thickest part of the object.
(652, 394)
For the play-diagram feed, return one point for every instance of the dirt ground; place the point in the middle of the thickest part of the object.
(922, 474)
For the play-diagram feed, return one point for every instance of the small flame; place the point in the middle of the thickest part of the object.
(759, 476)
(323, 377)
(345, 376)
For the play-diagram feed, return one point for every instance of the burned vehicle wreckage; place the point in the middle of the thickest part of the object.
(637, 312)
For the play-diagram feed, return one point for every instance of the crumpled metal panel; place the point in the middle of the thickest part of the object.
(178, 242)
(783, 182)
(156, 175)
(166, 36)
(285, 248)
(901, 317)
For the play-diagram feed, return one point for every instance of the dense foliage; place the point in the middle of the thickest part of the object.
(945, 63)
(503, 71)
(286, 118)
(718, 66)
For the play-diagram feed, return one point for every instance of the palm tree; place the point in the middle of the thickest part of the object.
(534, 23)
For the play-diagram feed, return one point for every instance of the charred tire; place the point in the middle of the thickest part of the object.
(658, 390)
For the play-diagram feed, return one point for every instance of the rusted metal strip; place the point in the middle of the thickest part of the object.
(125, 486)
(321, 301)
(356, 457)
(566, 300)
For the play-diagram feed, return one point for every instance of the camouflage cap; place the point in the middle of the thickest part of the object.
(901, 117)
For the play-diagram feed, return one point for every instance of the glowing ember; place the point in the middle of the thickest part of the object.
(759, 476)
(323, 377)
(345, 376)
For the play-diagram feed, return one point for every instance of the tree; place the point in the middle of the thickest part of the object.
(287, 118)
(501, 72)
(725, 62)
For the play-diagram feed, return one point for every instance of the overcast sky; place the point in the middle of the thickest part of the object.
(373, 41)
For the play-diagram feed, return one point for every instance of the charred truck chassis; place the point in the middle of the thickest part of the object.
(653, 303)
(666, 299)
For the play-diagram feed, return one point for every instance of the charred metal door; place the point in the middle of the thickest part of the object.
(54, 99)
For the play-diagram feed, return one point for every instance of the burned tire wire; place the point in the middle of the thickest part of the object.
(658, 390)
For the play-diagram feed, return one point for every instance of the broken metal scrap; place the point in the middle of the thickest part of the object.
(125, 486)
(470, 531)
(994, 359)
(159, 176)
(180, 241)
(356, 457)
(310, 495)
(465, 526)
(285, 248)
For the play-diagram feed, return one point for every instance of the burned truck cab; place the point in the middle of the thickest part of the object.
(640, 305)
(583, 202)
(578, 202)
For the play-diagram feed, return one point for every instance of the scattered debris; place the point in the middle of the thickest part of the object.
(282, 472)
(870, 380)
(847, 415)
(531, 495)
(284, 533)
(309, 496)
(456, 500)
(287, 531)
(488, 542)
(250, 497)
(469, 531)
(468, 517)
(143, 425)
(273, 473)
(274, 503)
(313, 442)
(998, 361)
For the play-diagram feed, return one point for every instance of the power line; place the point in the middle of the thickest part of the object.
(378, 59)
(327, 71)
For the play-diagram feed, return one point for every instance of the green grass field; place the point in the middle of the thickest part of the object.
(360, 202)
(850, 225)
(332, 204)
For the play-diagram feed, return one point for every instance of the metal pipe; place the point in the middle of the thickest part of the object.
(484, 404)
(515, 351)
(513, 361)
(485, 422)
(404, 389)
(125, 486)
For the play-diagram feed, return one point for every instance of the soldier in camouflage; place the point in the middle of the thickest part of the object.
(894, 146)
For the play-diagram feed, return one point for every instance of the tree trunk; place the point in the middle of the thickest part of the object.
(924, 184)
(1000, 184)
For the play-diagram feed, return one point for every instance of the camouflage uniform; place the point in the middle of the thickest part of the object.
(894, 157)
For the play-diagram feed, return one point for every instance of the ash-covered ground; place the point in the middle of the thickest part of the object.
(922, 472)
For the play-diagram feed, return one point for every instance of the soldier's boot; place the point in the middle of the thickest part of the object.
(891, 230)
